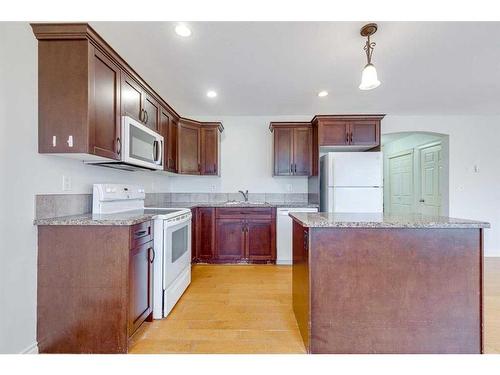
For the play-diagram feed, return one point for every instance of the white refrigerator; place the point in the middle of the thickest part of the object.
(351, 182)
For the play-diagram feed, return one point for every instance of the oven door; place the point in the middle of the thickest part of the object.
(177, 249)
(141, 145)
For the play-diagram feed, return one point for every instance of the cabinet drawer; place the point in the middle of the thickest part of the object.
(243, 212)
(141, 233)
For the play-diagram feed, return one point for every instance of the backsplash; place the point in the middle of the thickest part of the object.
(160, 199)
(54, 205)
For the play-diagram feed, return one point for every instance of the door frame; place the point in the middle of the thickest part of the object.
(396, 155)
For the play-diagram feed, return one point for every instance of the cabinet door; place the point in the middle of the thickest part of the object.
(105, 122)
(209, 151)
(172, 146)
(260, 240)
(151, 113)
(283, 154)
(302, 151)
(164, 127)
(230, 239)
(140, 285)
(364, 132)
(205, 233)
(188, 149)
(132, 98)
(333, 133)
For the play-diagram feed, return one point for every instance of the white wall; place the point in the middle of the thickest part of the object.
(473, 140)
(25, 173)
(246, 159)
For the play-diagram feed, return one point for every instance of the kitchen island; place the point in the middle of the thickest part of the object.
(381, 283)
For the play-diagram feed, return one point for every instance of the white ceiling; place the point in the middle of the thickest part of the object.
(277, 68)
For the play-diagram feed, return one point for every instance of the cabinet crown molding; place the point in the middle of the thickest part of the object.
(348, 117)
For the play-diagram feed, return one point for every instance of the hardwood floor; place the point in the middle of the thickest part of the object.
(492, 305)
(248, 309)
(228, 309)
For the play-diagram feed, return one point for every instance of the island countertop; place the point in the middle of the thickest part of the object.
(382, 220)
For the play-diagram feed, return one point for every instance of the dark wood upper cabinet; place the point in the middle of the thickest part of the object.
(205, 234)
(151, 113)
(132, 98)
(292, 149)
(198, 147)
(140, 285)
(333, 133)
(188, 150)
(302, 151)
(172, 146)
(105, 119)
(168, 128)
(283, 152)
(209, 149)
(84, 89)
(356, 132)
(365, 132)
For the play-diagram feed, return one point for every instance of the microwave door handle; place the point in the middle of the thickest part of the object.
(155, 150)
(160, 152)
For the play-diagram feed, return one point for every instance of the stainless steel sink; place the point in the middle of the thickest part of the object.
(235, 203)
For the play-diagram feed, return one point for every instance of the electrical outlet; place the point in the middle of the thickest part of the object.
(212, 187)
(66, 183)
(289, 187)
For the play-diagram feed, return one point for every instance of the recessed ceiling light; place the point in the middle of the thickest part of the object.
(182, 30)
(322, 94)
(211, 94)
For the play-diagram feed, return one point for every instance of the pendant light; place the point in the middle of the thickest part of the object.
(369, 79)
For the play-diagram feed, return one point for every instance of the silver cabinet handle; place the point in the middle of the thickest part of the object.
(118, 146)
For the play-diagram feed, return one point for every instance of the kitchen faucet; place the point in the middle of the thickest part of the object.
(245, 194)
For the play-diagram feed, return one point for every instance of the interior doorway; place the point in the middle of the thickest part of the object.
(416, 173)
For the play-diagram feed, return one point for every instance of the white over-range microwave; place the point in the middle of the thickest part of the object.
(139, 147)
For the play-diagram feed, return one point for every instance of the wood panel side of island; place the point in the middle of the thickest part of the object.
(381, 290)
(300, 281)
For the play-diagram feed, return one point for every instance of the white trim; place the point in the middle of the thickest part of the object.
(32, 349)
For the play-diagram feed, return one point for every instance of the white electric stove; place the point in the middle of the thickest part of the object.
(172, 240)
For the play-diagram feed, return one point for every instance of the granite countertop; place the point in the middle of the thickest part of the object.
(140, 216)
(374, 220)
(124, 218)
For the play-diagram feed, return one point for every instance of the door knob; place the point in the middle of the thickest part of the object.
(422, 200)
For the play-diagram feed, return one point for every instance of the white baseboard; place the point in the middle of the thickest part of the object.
(32, 349)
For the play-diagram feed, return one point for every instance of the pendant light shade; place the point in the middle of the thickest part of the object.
(369, 79)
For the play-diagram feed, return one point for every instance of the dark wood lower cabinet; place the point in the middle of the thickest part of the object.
(235, 235)
(230, 243)
(261, 239)
(204, 243)
(140, 285)
(94, 292)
